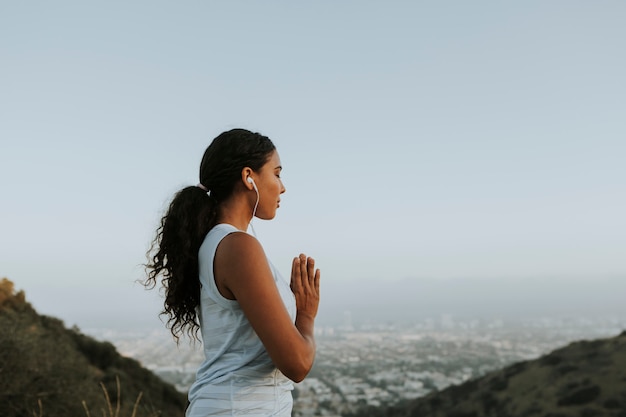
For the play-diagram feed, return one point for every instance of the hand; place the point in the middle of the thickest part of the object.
(305, 285)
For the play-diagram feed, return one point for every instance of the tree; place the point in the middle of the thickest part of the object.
(8, 297)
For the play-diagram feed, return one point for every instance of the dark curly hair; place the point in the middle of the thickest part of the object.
(192, 213)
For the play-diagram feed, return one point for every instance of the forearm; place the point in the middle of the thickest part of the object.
(302, 358)
(306, 326)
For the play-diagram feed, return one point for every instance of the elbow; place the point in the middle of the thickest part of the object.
(297, 370)
(298, 378)
(297, 374)
(295, 362)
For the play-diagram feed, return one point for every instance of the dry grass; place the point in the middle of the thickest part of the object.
(40, 409)
(116, 412)
(111, 411)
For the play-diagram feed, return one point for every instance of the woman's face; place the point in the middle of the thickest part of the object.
(270, 187)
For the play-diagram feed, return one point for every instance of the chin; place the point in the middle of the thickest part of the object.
(267, 216)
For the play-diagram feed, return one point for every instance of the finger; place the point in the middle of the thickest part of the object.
(303, 271)
(295, 274)
(316, 281)
(310, 273)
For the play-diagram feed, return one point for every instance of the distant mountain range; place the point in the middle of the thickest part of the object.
(411, 299)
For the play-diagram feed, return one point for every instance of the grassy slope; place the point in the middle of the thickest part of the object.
(42, 362)
(583, 379)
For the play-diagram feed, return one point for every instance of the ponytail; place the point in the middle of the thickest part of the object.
(174, 256)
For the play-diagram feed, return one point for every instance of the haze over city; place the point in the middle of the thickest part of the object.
(438, 157)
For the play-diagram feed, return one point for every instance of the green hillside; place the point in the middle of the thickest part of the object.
(47, 370)
(583, 379)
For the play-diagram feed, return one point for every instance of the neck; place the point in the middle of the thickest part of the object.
(236, 211)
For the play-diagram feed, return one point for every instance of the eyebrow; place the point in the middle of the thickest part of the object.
(279, 167)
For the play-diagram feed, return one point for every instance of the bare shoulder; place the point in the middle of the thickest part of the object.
(239, 246)
(239, 260)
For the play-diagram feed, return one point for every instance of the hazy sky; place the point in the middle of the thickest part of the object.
(420, 140)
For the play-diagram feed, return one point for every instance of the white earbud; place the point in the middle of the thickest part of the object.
(251, 181)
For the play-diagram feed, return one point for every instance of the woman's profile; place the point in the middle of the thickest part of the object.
(256, 327)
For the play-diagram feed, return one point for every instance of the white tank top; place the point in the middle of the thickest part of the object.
(237, 375)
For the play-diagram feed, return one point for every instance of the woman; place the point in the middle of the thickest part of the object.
(257, 328)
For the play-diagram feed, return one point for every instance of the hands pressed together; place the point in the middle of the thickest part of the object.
(305, 285)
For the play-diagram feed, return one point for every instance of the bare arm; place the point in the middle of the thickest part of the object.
(241, 269)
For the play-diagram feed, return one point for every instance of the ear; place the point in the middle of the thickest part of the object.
(246, 173)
